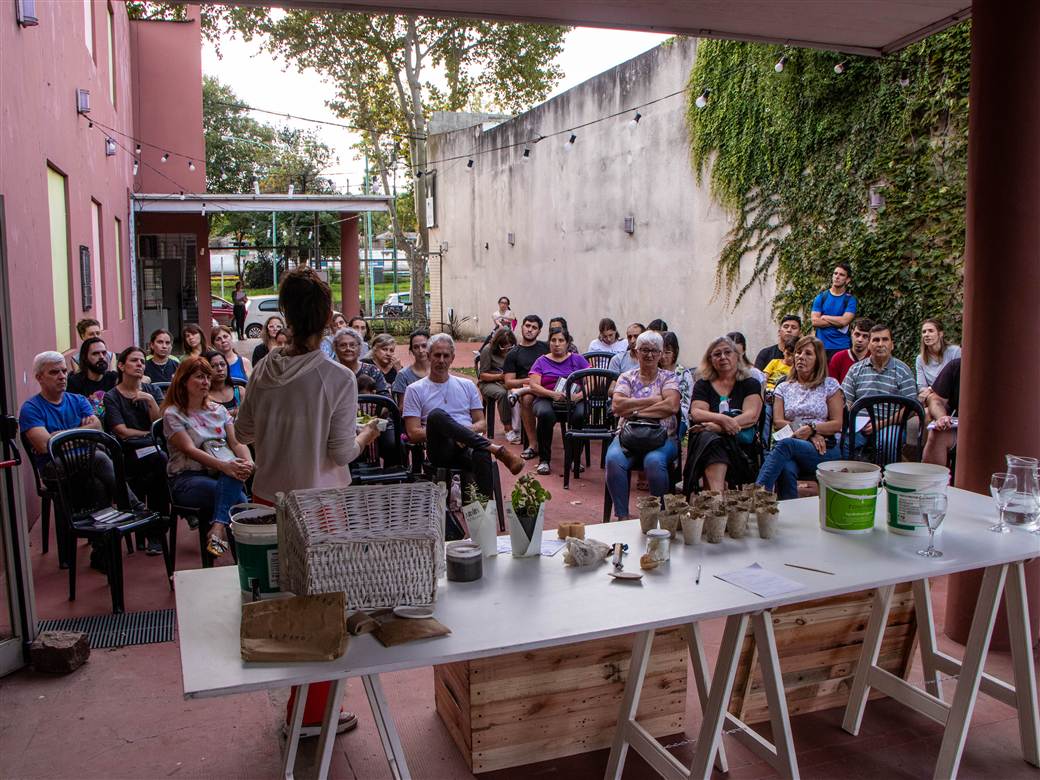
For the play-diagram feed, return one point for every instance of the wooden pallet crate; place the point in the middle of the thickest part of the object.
(520, 708)
(819, 643)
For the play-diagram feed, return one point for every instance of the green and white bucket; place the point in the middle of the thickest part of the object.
(848, 496)
(255, 529)
(904, 483)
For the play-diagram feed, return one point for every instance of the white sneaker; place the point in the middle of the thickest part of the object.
(512, 437)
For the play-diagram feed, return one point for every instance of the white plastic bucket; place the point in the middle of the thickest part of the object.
(848, 496)
(904, 482)
(256, 546)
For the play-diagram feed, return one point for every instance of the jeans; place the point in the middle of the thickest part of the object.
(888, 439)
(214, 496)
(655, 466)
(454, 446)
(789, 459)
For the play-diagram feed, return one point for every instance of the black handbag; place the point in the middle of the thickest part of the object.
(641, 435)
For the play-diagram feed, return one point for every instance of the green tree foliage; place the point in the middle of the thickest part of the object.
(795, 155)
(390, 72)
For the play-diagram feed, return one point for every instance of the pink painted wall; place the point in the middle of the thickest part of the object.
(40, 69)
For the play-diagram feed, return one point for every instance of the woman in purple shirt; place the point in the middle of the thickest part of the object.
(548, 375)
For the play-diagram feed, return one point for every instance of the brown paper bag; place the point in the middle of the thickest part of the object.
(300, 628)
(394, 630)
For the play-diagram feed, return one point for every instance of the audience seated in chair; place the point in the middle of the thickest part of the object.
(348, 345)
(561, 323)
(723, 448)
(740, 340)
(161, 365)
(222, 341)
(516, 374)
(608, 340)
(93, 379)
(812, 404)
(208, 466)
(86, 328)
(54, 410)
(841, 362)
(221, 390)
(683, 375)
(790, 328)
(648, 392)
(548, 375)
(882, 374)
(130, 409)
(336, 324)
(193, 341)
(269, 338)
(383, 356)
(418, 348)
(490, 378)
(446, 414)
(943, 407)
(627, 360)
(934, 356)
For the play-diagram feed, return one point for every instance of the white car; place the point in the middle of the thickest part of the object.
(260, 307)
(400, 303)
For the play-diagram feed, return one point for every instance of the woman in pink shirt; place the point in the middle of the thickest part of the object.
(548, 377)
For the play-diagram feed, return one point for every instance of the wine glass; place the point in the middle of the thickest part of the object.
(933, 510)
(1002, 487)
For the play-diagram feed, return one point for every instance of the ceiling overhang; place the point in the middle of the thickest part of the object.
(215, 203)
(866, 27)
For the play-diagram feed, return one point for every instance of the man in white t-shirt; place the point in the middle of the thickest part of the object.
(446, 413)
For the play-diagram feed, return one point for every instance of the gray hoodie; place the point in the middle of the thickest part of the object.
(301, 413)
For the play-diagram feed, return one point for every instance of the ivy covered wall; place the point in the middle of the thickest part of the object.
(797, 154)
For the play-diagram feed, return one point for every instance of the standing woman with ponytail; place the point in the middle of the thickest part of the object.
(301, 413)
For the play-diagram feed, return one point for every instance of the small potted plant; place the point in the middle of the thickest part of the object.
(527, 515)
(482, 520)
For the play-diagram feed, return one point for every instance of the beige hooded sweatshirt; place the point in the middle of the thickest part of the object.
(301, 413)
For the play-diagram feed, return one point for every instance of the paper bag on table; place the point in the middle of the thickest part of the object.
(482, 520)
(300, 628)
(526, 541)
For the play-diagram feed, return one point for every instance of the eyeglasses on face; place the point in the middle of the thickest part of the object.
(648, 352)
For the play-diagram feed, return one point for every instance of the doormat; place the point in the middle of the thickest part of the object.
(129, 628)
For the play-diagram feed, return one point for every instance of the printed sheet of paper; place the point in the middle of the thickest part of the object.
(761, 582)
(549, 547)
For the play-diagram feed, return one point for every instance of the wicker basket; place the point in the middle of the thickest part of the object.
(382, 545)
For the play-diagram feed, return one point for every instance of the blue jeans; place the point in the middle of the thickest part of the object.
(214, 496)
(789, 459)
(655, 466)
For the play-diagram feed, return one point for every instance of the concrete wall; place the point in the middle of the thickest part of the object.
(41, 68)
(566, 209)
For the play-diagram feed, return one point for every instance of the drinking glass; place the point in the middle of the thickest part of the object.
(1002, 487)
(933, 510)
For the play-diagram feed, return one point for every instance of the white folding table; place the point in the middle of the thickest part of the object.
(532, 603)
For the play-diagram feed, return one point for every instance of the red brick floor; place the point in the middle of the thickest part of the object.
(122, 715)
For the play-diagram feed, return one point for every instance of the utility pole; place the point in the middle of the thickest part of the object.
(274, 246)
(368, 247)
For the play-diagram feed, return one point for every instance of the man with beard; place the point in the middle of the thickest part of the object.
(93, 379)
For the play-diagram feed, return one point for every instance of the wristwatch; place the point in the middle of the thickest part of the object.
(812, 427)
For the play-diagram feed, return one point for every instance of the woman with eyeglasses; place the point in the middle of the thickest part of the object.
(724, 410)
(649, 392)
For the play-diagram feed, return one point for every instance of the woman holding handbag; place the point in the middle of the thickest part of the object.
(646, 400)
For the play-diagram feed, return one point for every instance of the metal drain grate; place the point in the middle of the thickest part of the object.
(129, 628)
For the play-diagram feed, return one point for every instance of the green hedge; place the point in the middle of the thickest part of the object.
(795, 155)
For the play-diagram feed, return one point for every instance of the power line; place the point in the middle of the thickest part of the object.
(290, 117)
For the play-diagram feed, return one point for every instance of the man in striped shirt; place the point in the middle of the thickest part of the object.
(880, 374)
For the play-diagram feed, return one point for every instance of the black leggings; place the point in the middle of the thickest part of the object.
(240, 319)
(547, 417)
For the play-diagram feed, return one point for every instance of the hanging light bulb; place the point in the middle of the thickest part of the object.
(191, 165)
(136, 167)
(702, 99)
(110, 147)
(292, 190)
(779, 67)
(182, 194)
(469, 165)
(570, 143)
(137, 149)
(203, 209)
(165, 157)
(840, 68)
(526, 156)
(256, 187)
(634, 121)
(418, 174)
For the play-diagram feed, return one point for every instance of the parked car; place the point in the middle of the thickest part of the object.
(400, 303)
(223, 311)
(260, 307)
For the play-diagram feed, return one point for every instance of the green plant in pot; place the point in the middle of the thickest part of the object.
(527, 499)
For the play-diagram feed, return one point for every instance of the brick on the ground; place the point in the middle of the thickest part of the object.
(59, 652)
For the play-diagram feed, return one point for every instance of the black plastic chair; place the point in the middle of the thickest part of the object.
(190, 514)
(162, 387)
(79, 490)
(376, 465)
(47, 490)
(599, 359)
(489, 404)
(675, 472)
(596, 424)
(888, 448)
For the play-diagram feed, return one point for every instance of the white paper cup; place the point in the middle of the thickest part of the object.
(692, 527)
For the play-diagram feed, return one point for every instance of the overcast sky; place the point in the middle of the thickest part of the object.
(263, 82)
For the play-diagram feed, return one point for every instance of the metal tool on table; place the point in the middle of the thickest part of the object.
(619, 550)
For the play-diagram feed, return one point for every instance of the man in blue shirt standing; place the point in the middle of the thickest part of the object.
(833, 310)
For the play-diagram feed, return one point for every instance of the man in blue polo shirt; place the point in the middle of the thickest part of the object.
(833, 310)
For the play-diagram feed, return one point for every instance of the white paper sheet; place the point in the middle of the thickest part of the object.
(953, 424)
(783, 433)
(549, 547)
(861, 422)
(761, 582)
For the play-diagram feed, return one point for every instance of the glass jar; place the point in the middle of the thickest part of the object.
(1024, 508)
(658, 544)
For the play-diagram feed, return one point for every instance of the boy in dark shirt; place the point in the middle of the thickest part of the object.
(515, 369)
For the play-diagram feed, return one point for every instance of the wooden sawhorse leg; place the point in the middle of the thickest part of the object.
(956, 715)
